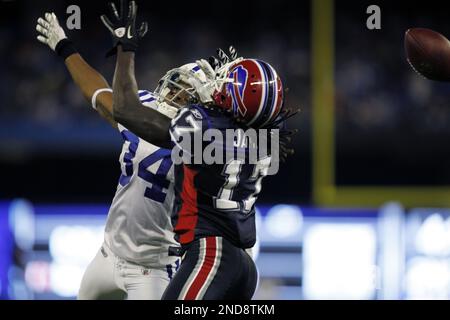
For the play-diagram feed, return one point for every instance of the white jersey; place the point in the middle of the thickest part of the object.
(138, 227)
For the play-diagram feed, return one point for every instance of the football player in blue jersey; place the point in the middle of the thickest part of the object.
(139, 254)
(214, 210)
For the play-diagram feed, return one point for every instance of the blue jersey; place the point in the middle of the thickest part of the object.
(213, 199)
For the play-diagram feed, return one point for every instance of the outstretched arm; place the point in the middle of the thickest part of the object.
(147, 123)
(91, 83)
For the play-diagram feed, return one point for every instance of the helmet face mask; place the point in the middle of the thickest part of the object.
(179, 87)
(174, 91)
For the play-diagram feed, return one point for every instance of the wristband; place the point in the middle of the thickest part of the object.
(96, 93)
(126, 47)
(65, 48)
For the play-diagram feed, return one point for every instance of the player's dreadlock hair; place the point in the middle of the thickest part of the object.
(285, 135)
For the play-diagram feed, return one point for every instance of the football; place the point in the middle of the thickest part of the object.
(428, 53)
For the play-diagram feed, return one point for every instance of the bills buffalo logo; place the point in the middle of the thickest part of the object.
(237, 88)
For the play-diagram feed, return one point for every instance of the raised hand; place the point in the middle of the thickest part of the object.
(50, 32)
(122, 25)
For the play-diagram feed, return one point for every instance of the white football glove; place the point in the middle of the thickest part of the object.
(205, 89)
(215, 79)
(50, 31)
(216, 71)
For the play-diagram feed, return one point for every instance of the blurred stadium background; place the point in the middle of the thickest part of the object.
(360, 211)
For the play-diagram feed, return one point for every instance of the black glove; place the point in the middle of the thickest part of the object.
(122, 25)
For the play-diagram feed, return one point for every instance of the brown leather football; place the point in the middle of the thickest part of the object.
(428, 52)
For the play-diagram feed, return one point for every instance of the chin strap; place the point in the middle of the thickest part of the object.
(166, 109)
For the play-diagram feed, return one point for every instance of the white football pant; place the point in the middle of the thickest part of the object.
(110, 277)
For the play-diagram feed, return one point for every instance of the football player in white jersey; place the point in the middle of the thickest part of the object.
(139, 255)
